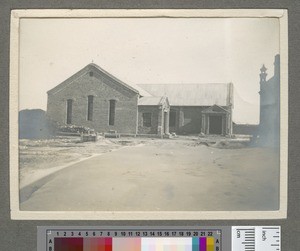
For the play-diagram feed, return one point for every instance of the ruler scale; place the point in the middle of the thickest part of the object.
(255, 238)
(267, 237)
(224, 238)
(122, 240)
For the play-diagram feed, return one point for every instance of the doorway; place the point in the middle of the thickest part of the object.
(215, 124)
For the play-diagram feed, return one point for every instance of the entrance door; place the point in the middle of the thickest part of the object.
(215, 124)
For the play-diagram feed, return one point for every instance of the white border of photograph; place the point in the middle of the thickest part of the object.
(16, 213)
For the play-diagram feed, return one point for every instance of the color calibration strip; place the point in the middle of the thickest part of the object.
(205, 238)
(134, 244)
(95, 239)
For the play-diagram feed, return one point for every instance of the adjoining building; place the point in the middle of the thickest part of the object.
(153, 115)
(197, 108)
(269, 125)
(96, 99)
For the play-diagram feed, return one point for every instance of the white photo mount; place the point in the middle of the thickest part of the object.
(16, 213)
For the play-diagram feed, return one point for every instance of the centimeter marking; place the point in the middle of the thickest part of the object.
(243, 238)
(53, 233)
(133, 233)
(256, 238)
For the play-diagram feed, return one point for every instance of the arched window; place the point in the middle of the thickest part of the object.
(69, 111)
(90, 107)
(112, 112)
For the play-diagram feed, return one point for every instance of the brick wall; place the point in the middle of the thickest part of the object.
(103, 89)
(245, 129)
(154, 110)
(188, 119)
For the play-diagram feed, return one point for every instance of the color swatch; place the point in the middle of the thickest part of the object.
(134, 244)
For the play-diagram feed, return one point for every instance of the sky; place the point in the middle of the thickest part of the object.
(150, 50)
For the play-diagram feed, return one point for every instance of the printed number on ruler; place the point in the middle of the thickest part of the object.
(120, 240)
(255, 238)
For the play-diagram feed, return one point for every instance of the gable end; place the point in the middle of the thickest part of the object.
(95, 69)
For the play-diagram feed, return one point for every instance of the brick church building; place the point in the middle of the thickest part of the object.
(96, 99)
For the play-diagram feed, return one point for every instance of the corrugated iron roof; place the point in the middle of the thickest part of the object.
(141, 91)
(150, 101)
(193, 94)
(215, 109)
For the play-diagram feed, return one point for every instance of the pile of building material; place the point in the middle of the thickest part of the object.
(89, 137)
(112, 134)
(86, 134)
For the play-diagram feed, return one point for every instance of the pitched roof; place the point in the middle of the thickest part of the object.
(83, 71)
(215, 109)
(150, 101)
(193, 94)
(141, 91)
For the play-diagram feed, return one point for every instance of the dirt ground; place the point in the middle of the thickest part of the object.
(130, 174)
(39, 158)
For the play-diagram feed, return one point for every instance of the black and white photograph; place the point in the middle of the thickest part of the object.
(158, 114)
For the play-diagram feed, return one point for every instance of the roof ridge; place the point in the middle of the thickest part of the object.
(112, 76)
(83, 71)
(223, 83)
(193, 94)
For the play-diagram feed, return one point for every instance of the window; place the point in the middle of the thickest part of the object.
(69, 111)
(90, 107)
(172, 121)
(112, 111)
(147, 119)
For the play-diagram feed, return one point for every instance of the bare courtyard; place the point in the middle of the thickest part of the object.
(135, 174)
